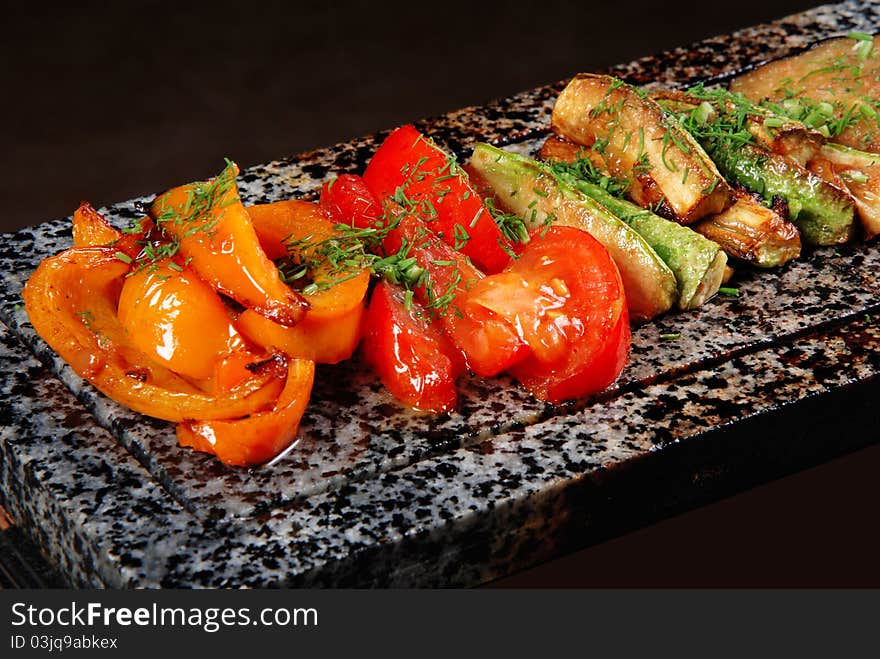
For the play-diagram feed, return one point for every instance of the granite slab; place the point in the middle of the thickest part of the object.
(374, 494)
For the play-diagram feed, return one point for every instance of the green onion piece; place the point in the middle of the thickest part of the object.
(122, 256)
(860, 36)
(671, 336)
(727, 290)
(702, 113)
(774, 122)
(793, 108)
(863, 50)
(854, 176)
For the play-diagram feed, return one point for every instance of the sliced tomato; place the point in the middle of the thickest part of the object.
(565, 297)
(411, 355)
(432, 183)
(348, 200)
(489, 342)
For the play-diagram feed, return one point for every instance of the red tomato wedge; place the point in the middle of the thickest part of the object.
(565, 297)
(490, 343)
(432, 183)
(416, 362)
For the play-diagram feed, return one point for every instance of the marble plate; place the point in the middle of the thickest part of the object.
(374, 494)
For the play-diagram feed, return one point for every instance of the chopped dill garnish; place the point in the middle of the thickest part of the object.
(513, 227)
(583, 168)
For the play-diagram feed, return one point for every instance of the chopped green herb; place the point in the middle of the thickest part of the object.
(670, 336)
(854, 176)
(863, 50)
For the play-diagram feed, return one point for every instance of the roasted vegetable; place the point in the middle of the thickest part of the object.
(300, 232)
(666, 168)
(697, 263)
(753, 232)
(777, 133)
(833, 87)
(71, 300)
(530, 190)
(212, 231)
(859, 172)
(727, 129)
(259, 437)
(91, 229)
(823, 213)
(170, 314)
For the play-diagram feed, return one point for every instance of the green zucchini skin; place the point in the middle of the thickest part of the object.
(697, 263)
(528, 189)
(746, 230)
(823, 213)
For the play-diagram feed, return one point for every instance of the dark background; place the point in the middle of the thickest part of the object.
(108, 102)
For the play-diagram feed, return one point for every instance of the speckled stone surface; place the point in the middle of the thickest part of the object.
(374, 494)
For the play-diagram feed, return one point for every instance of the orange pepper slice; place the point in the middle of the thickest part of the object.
(331, 329)
(91, 229)
(174, 317)
(259, 437)
(71, 300)
(217, 239)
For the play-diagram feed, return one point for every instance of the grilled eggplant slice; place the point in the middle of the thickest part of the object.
(697, 263)
(752, 232)
(667, 169)
(530, 190)
(859, 172)
(777, 133)
(834, 86)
